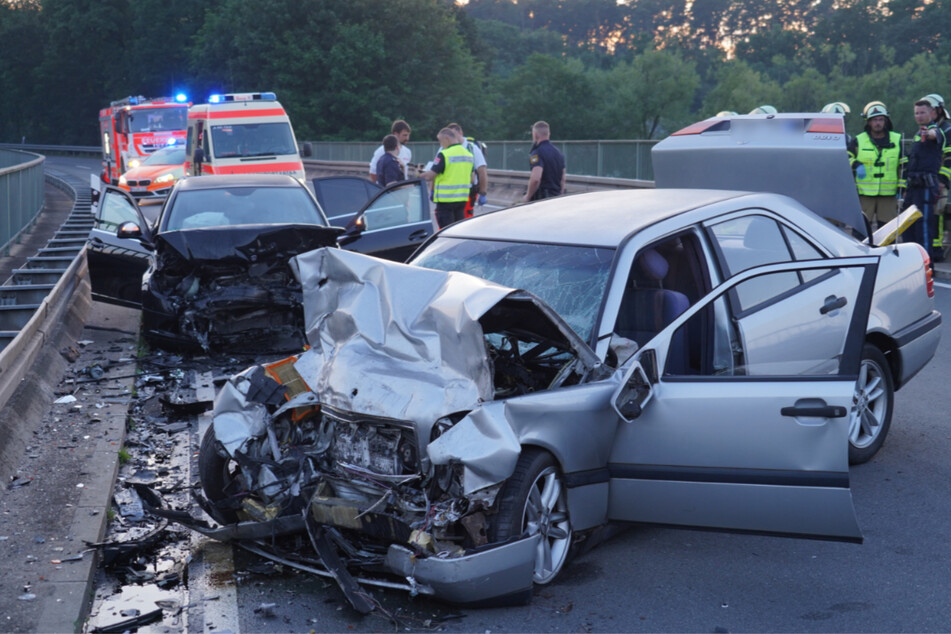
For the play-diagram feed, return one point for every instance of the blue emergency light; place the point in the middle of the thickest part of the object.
(181, 97)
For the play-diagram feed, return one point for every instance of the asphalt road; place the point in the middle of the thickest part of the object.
(668, 580)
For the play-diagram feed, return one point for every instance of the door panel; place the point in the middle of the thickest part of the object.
(116, 264)
(749, 430)
(395, 222)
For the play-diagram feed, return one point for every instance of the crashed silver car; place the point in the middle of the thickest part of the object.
(462, 424)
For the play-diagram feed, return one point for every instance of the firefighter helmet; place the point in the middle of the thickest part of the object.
(839, 107)
(764, 109)
(726, 113)
(934, 100)
(874, 109)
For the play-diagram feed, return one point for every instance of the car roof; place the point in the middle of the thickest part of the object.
(603, 218)
(237, 180)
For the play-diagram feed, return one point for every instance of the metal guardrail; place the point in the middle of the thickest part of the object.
(629, 159)
(21, 194)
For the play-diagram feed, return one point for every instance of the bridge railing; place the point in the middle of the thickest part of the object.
(629, 159)
(22, 185)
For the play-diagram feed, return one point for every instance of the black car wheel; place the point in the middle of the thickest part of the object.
(534, 501)
(872, 406)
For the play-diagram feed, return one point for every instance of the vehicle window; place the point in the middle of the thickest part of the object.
(401, 206)
(241, 206)
(570, 279)
(751, 241)
(166, 156)
(257, 139)
(788, 337)
(114, 210)
(667, 278)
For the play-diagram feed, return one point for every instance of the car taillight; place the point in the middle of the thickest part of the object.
(929, 272)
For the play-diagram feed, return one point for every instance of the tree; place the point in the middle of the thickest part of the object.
(741, 89)
(562, 93)
(652, 94)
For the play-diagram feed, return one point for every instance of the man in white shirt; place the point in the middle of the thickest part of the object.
(401, 130)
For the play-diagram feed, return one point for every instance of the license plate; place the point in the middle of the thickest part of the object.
(139, 189)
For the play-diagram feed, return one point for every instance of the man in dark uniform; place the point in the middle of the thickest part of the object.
(547, 164)
(925, 176)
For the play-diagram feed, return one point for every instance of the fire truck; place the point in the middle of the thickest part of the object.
(134, 127)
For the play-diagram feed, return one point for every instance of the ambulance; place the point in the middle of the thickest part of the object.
(242, 133)
(131, 129)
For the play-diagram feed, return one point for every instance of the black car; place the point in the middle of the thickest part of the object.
(211, 270)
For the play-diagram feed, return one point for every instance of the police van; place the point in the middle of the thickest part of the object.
(242, 133)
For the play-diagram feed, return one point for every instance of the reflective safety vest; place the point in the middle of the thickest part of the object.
(452, 185)
(881, 165)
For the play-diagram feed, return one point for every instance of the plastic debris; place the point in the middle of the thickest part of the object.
(62, 400)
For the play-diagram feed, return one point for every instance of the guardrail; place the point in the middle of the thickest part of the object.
(21, 194)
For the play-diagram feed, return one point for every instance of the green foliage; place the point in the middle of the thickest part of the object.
(345, 69)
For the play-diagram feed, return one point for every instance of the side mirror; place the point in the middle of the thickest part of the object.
(629, 399)
(129, 230)
(307, 149)
(352, 233)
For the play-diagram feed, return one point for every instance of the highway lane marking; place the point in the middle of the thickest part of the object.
(942, 284)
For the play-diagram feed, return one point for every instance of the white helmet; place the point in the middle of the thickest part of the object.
(764, 109)
(839, 107)
(874, 109)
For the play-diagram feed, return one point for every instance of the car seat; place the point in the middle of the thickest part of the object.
(648, 307)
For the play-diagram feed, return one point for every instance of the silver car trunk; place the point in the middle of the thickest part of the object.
(802, 156)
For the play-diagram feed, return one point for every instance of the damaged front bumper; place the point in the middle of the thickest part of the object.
(494, 574)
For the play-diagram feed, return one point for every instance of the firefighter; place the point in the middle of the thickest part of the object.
(842, 108)
(925, 174)
(877, 155)
(451, 176)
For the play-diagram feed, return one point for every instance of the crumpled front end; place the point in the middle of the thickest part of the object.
(343, 441)
(230, 288)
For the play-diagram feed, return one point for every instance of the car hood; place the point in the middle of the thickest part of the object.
(245, 245)
(408, 343)
(802, 156)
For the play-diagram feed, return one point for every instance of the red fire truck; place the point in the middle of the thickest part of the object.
(134, 127)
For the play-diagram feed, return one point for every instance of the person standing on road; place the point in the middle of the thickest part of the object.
(925, 175)
(878, 152)
(401, 130)
(479, 170)
(451, 176)
(389, 169)
(547, 166)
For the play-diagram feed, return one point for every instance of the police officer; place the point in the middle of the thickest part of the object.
(480, 171)
(878, 153)
(548, 174)
(926, 172)
(451, 176)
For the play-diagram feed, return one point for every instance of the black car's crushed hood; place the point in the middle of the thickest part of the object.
(218, 287)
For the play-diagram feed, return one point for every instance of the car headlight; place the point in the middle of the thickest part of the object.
(165, 178)
(134, 163)
(122, 180)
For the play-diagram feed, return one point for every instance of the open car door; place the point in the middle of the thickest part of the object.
(737, 418)
(388, 222)
(116, 264)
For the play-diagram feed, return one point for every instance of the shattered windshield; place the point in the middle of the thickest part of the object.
(570, 279)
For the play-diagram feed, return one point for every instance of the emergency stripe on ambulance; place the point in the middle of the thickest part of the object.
(237, 114)
(257, 168)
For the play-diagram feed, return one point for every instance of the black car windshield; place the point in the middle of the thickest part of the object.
(226, 206)
(570, 279)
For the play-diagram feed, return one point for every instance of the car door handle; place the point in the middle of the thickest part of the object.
(416, 236)
(833, 303)
(823, 411)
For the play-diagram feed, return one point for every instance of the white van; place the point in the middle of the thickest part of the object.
(242, 133)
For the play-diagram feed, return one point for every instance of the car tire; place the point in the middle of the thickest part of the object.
(534, 500)
(217, 472)
(872, 406)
